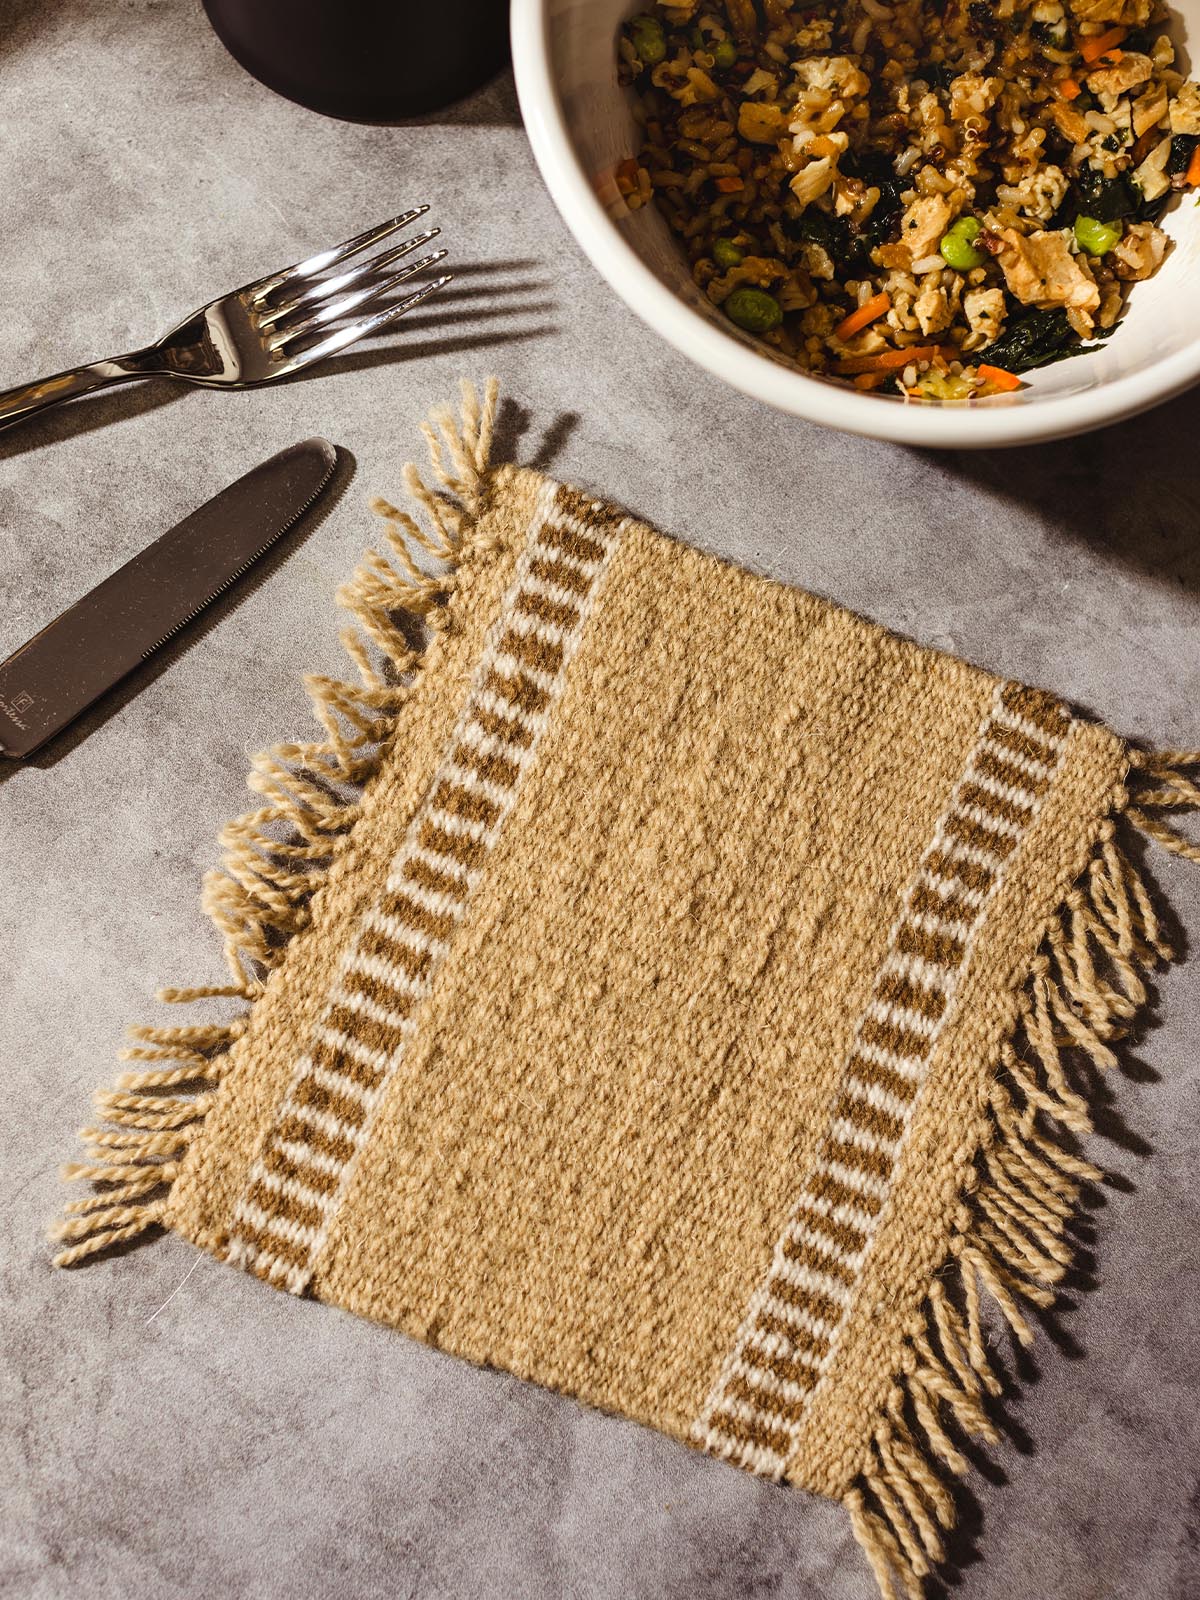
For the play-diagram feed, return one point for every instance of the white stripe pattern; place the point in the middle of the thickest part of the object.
(450, 838)
(851, 1180)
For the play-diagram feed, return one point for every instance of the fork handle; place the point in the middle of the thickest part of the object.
(28, 398)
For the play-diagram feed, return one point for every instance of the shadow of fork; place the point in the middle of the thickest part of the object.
(414, 338)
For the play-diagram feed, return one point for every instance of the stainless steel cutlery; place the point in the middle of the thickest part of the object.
(269, 329)
(94, 643)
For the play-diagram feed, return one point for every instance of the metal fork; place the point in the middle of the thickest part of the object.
(257, 333)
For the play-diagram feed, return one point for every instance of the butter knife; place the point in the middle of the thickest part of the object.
(81, 654)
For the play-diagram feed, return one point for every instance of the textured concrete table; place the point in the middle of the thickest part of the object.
(172, 1428)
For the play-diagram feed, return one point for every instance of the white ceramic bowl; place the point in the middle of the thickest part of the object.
(580, 126)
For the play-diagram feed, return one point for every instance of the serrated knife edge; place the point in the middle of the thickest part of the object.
(249, 562)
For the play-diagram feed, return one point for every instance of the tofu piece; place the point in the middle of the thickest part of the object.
(1151, 176)
(972, 95)
(816, 35)
(1140, 251)
(760, 124)
(811, 182)
(1185, 109)
(1038, 195)
(933, 310)
(1071, 123)
(838, 74)
(763, 272)
(1132, 69)
(1041, 271)
(924, 223)
(1148, 110)
(985, 309)
(817, 261)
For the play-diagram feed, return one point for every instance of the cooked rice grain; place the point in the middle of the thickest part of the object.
(824, 154)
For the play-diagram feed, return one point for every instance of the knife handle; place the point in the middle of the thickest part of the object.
(28, 398)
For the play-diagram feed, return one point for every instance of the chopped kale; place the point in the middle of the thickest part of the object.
(1034, 338)
(872, 166)
(984, 19)
(814, 226)
(851, 247)
(1106, 199)
(882, 224)
(1057, 146)
(1182, 146)
(1152, 210)
(937, 74)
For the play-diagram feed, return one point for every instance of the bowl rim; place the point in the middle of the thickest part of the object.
(980, 426)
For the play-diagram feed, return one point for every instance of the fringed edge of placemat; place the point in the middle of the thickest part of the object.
(1087, 987)
(276, 857)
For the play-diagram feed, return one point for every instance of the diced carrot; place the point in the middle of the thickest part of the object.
(870, 380)
(891, 360)
(870, 311)
(1068, 89)
(728, 185)
(1192, 176)
(1101, 43)
(997, 377)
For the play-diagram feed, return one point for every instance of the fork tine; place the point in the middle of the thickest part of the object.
(334, 309)
(359, 330)
(327, 258)
(327, 287)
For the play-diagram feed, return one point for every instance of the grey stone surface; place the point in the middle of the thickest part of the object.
(173, 1428)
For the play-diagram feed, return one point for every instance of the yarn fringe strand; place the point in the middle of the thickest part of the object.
(1010, 1243)
(275, 857)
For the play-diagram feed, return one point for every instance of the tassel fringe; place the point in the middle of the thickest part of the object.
(1086, 988)
(275, 857)
(1010, 1244)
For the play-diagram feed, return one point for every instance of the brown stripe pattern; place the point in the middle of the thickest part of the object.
(788, 1337)
(295, 1188)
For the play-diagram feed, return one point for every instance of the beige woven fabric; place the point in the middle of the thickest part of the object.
(681, 1015)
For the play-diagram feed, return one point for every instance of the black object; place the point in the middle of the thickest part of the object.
(1036, 338)
(93, 645)
(366, 60)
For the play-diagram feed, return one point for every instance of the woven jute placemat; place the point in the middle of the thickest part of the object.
(665, 985)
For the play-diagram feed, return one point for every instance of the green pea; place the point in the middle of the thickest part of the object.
(1097, 238)
(724, 55)
(754, 309)
(958, 248)
(726, 254)
(648, 39)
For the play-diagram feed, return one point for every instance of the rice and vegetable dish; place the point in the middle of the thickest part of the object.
(935, 195)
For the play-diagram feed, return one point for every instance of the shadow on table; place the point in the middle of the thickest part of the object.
(212, 616)
(513, 422)
(85, 415)
(1018, 1367)
(488, 303)
(493, 106)
(1131, 491)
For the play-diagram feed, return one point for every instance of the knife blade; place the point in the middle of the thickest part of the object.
(100, 639)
